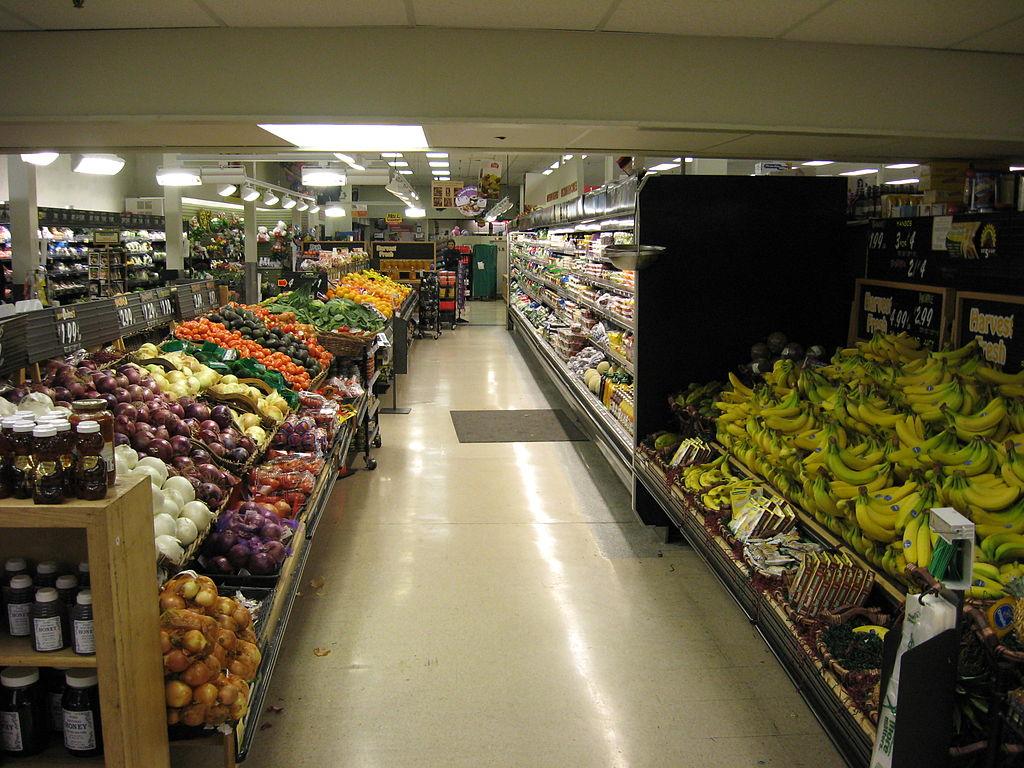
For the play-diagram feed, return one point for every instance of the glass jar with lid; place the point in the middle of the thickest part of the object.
(95, 409)
(24, 726)
(48, 478)
(91, 478)
(21, 465)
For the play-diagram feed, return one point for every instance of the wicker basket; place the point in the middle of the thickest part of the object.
(342, 344)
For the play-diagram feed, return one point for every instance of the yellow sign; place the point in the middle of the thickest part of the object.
(442, 193)
(393, 218)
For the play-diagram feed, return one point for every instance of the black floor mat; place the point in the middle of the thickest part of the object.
(535, 426)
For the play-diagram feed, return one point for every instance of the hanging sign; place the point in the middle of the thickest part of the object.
(442, 193)
(393, 218)
(490, 178)
(470, 201)
(882, 307)
(991, 319)
(360, 211)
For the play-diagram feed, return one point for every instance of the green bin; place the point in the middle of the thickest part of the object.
(484, 269)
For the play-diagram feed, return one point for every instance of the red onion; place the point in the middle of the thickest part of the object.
(161, 449)
(122, 395)
(276, 550)
(261, 564)
(141, 440)
(228, 441)
(121, 439)
(61, 393)
(220, 564)
(182, 463)
(147, 394)
(217, 449)
(122, 380)
(197, 411)
(210, 494)
(181, 428)
(209, 425)
(127, 410)
(177, 410)
(181, 445)
(209, 472)
(222, 415)
(162, 433)
(143, 413)
(238, 456)
(200, 456)
(135, 392)
(105, 383)
(110, 400)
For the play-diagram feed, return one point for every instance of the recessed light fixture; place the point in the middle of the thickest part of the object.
(334, 209)
(319, 176)
(415, 213)
(249, 193)
(405, 171)
(303, 205)
(226, 190)
(100, 165)
(444, 178)
(554, 165)
(40, 158)
(568, 157)
(677, 159)
(900, 182)
(439, 164)
(269, 198)
(390, 154)
(439, 172)
(688, 159)
(329, 137)
(178, 177)
(439, 155)
(548, 172)
(398, 164)
(901, 166)
(814, 163)
(288, 202)
(349, 161)
(663, 167)
(1017, 167)
(860, 172)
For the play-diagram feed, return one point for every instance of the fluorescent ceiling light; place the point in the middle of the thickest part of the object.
(249, 193)
(443, 178)
(100, 165)
(554, 166)
(334, 210)
(548, 172)
(317, 176)
(901, 166)
(677, 159)
(663, 167)
(288, 202)
(40, 158)
(314, 208)
(814, 163)
(269, 198)
(327, 137)
(439, 164)
(349, 161)
(896, 182)
(226, 190)
(405, 172)
(398, 164)
(438, 172)
(212, 203)
(415, 213)
(1017, 167)
(303, 205)
(688, 159)
(178, 177)
(860, 172)
(568, 157)
(441, 155)
(390, 154)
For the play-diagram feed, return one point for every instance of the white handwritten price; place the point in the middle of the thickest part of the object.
(899, 319)
(197, 300)
(125, 316)
(877, 241)
(165, 307)
(68, 331)
(916, 267)
(923, 316)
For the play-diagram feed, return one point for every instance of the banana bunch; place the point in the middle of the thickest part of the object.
(987, 582)
(898, 349)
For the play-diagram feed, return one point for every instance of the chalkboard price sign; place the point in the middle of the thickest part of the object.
(883, 307)
(992, 320)
(125, 314)
(69, 332)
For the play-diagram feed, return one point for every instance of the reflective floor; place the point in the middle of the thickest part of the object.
(499, 605)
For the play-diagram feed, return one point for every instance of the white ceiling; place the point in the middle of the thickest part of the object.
(989, 25)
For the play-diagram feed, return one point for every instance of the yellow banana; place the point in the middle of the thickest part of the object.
(924, 542)
(739, 386)
(985, 422)
(910, 539)
(994, 376)
(991, 498)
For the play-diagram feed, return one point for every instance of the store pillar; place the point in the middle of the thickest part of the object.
(251, 286)
(174, 229)
(24, 223)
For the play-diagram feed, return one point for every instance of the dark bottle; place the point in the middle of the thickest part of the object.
(55, 686)
(96, 410)
(83, 736)
(83, 575)
(83, 641)
(23, 718)
(18, 600)
(67, 588)
(46, 573)
(21, 466)
(49, 621)
(6, 456)
(13, 566)
(48, 482)
(66, 450)
(91, 477)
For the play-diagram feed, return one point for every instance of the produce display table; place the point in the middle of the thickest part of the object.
(115, 535)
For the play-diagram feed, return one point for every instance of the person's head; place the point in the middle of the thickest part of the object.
(451, 245)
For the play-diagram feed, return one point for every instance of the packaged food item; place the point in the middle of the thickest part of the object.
(47, 478)
(91, 476)
(96, 410)
(24, 722)
(21, 466)
(83, 641)
(18, 599)
(67, 589)
(46, 574)
(83, 736)
(49, 621)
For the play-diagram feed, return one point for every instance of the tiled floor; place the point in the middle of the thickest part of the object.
(499, 605)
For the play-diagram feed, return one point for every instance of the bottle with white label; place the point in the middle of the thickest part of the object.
(23, 719)
(83, 641)
(49, 621)
(83, 736)
(18, 602)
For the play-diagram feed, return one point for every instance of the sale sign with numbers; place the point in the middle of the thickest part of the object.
(919, 310)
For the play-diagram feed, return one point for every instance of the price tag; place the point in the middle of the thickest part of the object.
(125, 315)
(919, 310)
(69, 333)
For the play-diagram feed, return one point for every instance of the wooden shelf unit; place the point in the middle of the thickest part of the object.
(116, 536)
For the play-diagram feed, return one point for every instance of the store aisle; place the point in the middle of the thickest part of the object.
(499, 605)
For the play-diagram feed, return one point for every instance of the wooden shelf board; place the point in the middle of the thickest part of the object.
(75, 513)
(17, 652)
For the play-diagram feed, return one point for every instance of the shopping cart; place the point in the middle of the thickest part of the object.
(448, 288)
(429, 317)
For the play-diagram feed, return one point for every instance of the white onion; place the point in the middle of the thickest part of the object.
(169, 547)
(198, 513)
(164, 525)
(156, 464)
(174, 495)
(182, 486)
(36, 402)
(158, 500)
(170, 508)
(127, 454)
(187, 531)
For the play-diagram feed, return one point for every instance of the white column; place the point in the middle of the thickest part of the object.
(21, 177)
(173, 224)
(296, 251)
(250, 292)
(611, 170)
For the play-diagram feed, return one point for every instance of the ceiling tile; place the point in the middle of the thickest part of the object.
(111, 14)
(9, 22)
(309, 13)
(907, 23)
(523, 14)
(1007, 38)
(722, 18)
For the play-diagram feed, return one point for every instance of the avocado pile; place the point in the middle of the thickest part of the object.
(251, 327)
